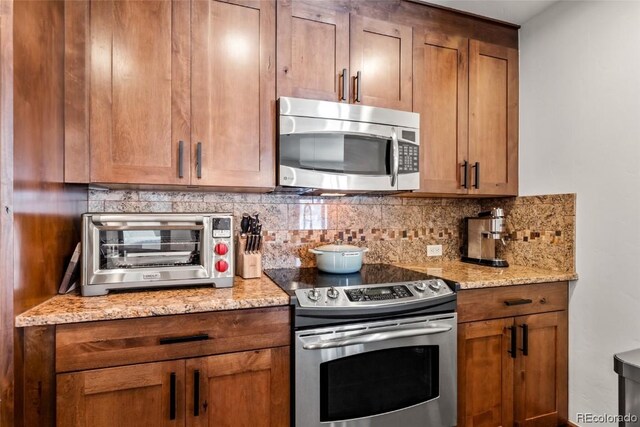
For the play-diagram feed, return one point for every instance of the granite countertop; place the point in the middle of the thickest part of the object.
(73, 308)
(472, 276)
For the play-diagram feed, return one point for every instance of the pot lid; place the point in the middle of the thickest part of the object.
(338, 246)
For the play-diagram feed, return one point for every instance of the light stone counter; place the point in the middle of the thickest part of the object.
(472, 276)
(73, 308)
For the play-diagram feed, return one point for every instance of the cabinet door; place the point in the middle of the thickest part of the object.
(440, 90)
(485, 373)
(313, 51)
(381, 52)
(233, 93)
(239, 389)
(150, 394)
(139, 91)
(541, 370)
(493, 118)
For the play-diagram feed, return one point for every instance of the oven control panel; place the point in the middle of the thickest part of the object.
(372, 295)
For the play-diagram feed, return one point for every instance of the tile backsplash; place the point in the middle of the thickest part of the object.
(394, 229)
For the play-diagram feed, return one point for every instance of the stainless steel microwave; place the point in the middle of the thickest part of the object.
(125, 251)
(339, 147)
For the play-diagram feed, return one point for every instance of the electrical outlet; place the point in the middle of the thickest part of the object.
(434, 250)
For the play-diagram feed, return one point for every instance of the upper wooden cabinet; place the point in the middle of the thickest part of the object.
(440, 69)
(466, 92)
(313, 51)
(324, 52)
(233, 93)
(493, 118)
(135, 72)
(170, 92)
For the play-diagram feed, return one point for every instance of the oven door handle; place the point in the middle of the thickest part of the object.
(375, 337)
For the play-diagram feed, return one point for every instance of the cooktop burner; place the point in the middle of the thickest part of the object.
(291, 279)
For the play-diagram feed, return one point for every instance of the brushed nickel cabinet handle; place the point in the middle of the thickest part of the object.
(358, 80)
(345, 85)
(181, 159)
(199, 160)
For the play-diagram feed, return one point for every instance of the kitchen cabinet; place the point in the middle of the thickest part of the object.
(233, 93)
(325, 52)
(150, 394)
(204, 369)
(466, 92)
(258, 378)
(512, 356)
(493, 119)
(171, 92)
(242, 388)
(137, 80)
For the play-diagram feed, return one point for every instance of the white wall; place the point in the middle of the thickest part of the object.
(580, 132)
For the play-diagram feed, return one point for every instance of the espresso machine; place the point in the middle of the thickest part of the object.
(483, 232)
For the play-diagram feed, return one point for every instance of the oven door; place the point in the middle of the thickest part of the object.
(379, 374)
(342, 155)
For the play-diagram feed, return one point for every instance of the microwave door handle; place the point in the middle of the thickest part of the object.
(375, 337)
(395, 158)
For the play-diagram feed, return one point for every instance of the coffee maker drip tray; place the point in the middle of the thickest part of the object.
(494, 262)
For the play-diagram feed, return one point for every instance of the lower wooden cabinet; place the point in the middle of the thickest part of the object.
(149, 394)
(237, 389)
(225, 368)
(512, 369)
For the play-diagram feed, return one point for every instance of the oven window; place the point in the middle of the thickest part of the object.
(149, 248)
(339, 153)
(377, 382)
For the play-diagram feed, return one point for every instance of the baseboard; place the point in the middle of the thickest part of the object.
(570, 424)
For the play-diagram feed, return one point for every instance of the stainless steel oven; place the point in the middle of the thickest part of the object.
(375, 348)
(347, 148)
(124, 251)
(378, 374)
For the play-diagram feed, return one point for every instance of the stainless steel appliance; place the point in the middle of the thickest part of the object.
(336, 147)
(627, 366)
(375, 348)
(482, 232)
(125, 251)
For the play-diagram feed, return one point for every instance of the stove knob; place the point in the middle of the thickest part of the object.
(332, 293)
(222, 266)
(221, 249)
(314, 295)
(421, 286)
(435, 285)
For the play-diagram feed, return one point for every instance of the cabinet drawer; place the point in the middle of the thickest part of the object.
(507, 301)
(123, 342)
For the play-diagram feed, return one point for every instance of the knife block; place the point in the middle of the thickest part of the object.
(248, 264)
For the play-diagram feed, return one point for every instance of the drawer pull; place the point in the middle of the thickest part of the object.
(519, 301)
(176, 340)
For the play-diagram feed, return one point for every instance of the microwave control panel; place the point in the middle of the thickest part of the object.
(408, 156)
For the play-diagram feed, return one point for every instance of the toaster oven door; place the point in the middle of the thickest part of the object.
(131, 252)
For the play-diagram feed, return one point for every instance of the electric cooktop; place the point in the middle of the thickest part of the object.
(292, 279)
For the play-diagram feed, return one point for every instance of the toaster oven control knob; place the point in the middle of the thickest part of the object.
(314, 295)
(421, 286)
(332, 293)
(435, 285)
(221, 249)
(222, 266)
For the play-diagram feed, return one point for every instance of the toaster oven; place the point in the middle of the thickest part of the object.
(132, 251)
